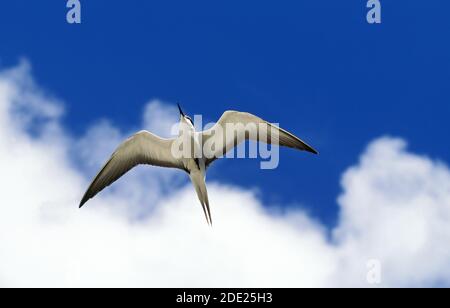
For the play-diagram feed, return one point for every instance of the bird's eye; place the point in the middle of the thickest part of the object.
(190, 120)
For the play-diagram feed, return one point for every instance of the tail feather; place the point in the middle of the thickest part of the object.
(198, 181)
(206, 202)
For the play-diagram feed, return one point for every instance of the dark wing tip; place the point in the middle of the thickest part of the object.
(311, 150)
(84, 200)
(308, 148)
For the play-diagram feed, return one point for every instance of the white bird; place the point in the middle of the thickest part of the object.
(145, 148)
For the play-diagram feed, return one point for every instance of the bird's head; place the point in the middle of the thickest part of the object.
(185, 120)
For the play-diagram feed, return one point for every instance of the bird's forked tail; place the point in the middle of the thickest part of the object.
(198, 180)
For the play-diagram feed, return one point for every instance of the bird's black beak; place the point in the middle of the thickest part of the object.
(181, 111)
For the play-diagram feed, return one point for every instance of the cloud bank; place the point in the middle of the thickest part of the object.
(394, 213)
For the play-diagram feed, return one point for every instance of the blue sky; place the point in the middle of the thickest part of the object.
(334, 80)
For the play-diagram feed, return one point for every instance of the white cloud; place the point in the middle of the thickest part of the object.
(394, 207)
(160, 117)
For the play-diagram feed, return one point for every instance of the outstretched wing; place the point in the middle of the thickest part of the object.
(245, 126)
(142, 148)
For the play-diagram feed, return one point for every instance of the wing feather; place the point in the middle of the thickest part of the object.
(142, 148)
(264, 130)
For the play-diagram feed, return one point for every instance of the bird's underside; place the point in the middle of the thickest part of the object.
(145, 148)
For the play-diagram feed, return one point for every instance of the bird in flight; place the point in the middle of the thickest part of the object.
(192, 152)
